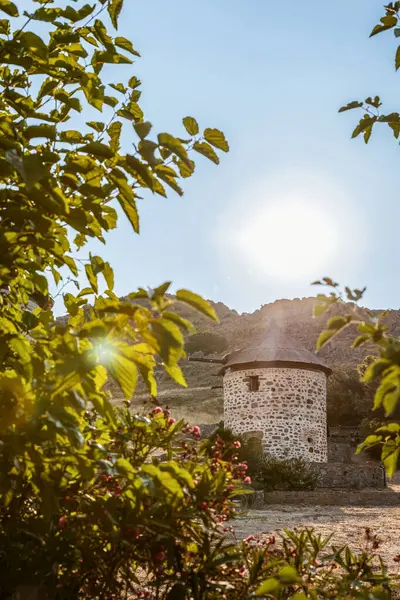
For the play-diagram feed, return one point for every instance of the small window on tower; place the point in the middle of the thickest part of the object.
(254, 383)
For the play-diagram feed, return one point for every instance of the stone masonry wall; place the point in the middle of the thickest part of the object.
(369, 497)
(340, 452)
(348, 476)
(288, 411)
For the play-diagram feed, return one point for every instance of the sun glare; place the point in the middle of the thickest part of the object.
(293, 226)
(293, 240)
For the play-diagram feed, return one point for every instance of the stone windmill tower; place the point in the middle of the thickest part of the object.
(275, 391)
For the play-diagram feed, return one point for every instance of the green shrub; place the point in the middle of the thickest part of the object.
(293, 474)
(349, 400)
(265, 471)
(209, 343)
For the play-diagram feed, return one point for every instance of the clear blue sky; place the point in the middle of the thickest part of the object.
(272, 79)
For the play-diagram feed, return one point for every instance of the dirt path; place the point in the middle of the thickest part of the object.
(346, 523)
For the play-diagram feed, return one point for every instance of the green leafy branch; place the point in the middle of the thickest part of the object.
(368, 329)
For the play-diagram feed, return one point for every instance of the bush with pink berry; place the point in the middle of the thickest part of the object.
(264, 471)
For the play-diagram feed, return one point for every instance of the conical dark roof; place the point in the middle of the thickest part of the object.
(275, 347)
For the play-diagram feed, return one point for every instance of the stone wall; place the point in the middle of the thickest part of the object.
(350, 476)
(260, 500)
(288, 410)
(339, 452)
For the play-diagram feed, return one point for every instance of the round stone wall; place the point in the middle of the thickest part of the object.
(287, 411)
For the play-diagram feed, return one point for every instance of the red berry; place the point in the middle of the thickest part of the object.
(62, 522)
(204, 505)
(247, 480)
(157, 410)
(236, 444)
(171, 421)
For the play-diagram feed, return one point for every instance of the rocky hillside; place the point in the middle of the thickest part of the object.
(202, 402)
(295, 317)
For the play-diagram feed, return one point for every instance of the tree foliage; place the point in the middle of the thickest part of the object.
(371, 106)
(349, 399)
(207, 342)
(384, 370)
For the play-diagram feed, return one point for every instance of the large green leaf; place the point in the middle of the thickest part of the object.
(365, 123)
(34, 44)
(96, 125)
(387, 22)
(66, 382)
(216, 138)
(186, 169)
(124, 467)
(114, 131)
(170, 343)
(141, 169)
(114, 8)
(91, 277)
(97, 149)
(351, 106)
(179, 472)
(142, 129)
(4, 26)
(397, 59)
(125, 44)
(108, 275)
(191, 125)
(390, 456)
(123, 370)
(206, 150)
(94, 329)
(33, 169)
(175, 372)
(165, 479)
(47, 87)
(325, 337)
(197, 302)
(268, 587)
(9, 8)
(129, 208)
(174, 144)
(40, 131)
(180, 321)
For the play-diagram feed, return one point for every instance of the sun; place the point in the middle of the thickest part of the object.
(291, 240)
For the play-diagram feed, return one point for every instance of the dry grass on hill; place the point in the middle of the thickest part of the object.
(195, 405)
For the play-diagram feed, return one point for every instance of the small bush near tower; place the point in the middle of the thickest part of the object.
(266, 472)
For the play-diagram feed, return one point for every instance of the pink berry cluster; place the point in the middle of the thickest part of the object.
(194, 431)
(238, 470)
(158, 411)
